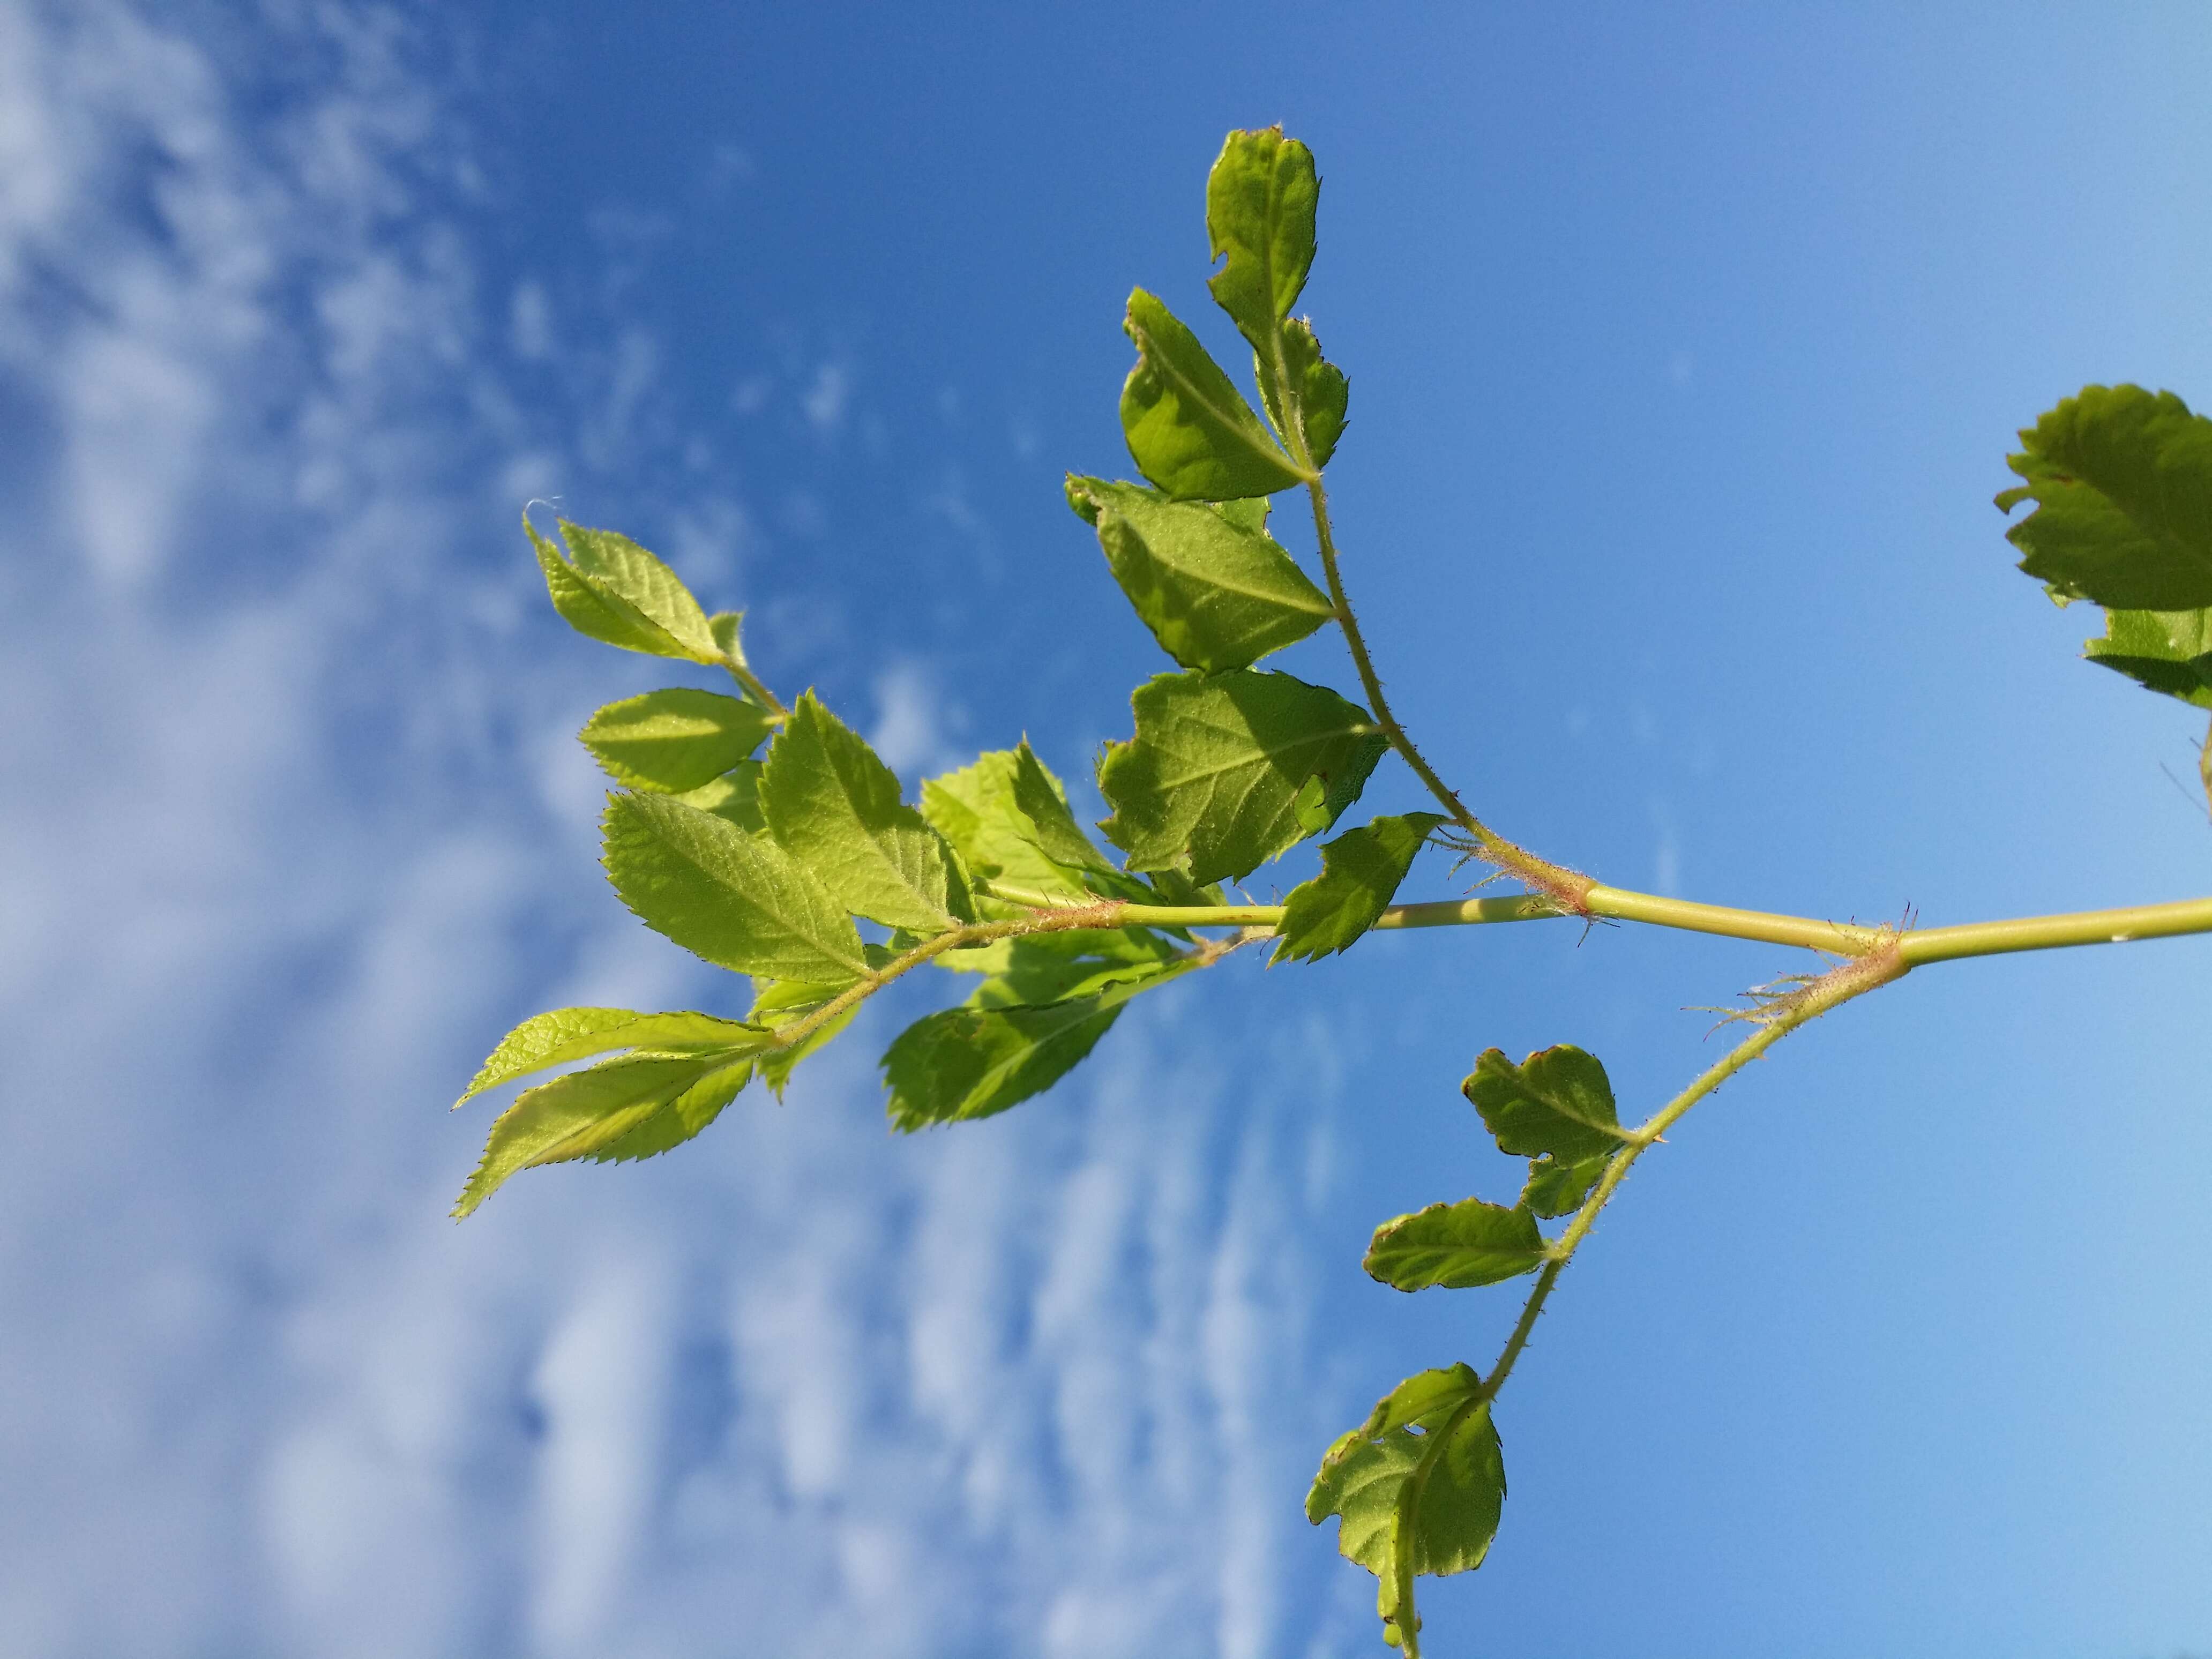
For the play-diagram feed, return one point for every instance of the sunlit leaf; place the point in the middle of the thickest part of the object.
(1558, 1101)
(1214, 594)
(976, 810)
(1260, 202)
(735, 796)
(1455, 1247)
(1035, 970)
(629, 1108)
(675, 739)
(780, 1004)
(615, 591)
(1189, 430)
(973, 1062)
(2123, 482)
(1041, 804)
(567, 1034)
(2167, 650)
(1323, 394)
(737, 900)
(1360, 871)
(836, 808)
(1556, 1187)
(1227, 770)
(1418, 1488)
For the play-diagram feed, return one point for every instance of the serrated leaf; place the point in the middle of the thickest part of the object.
(737, 900)
(1035, 970)
(615, 591)
(1227, 770)
(675, 739)
(1214, 594)
(1558, 1100)
(974, 809)
(1041, 804)
(734, 796)
(2167, 650)
(1260, 203)
(836, 808)
(971, 1062)
(629, 1108)
(1455, 1247)
(779, 1004)
(1189, 429)
(1556, 1187)
(567, 1034)
(2123, 482)
(1323, 394)
(1360, 871)
(1418, 1488)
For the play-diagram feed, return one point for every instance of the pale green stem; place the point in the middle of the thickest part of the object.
(756, 686)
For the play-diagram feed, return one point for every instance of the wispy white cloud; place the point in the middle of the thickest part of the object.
(294, 823)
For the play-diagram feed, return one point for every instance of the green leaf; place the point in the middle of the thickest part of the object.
(676, 740)
(976, 810)
(1360, 871)
(1214, 594)
(1189, 430)
(725, 626)
(2168, 650)
(567, 1034)
(1323, 394)
(2123, 482)
(1260, 203)
(1557, 1101)
(781, 1003)
(1455, 1247)
(1037, 970)
(735, 796)
(1418, 1488)
(1227, 770)
(616, 592)
(629, 1108)
(737, 900)
(836, 808)
(1555, 1188)
(1041, 805)
(973, 1062)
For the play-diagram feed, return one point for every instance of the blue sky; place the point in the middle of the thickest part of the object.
(1685, 350)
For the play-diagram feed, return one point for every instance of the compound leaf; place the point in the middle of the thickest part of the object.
(1360, 871)
(616, 592)
(1227, 770)
(629, 1108)
(1455, 1247)
(1556, 1187)
(1557, 1101)
(1418, 1488)
(976, 811)
(1189, 430)
(781, 1003)
(1040, 807)
(1215, 594)
(567, 1034)
(737, 900)
(1037, 970)
(973, 1062)
(2122, 479)
(1259, 204)
(836, 808)
(2167, 650)
(676, 740)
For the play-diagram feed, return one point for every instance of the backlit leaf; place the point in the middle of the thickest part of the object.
(1037, 970)
(1556, 1187)
(1214, 594)
(1260, 203)
(976, 810)
(616, 592)
(1189, 430)
(567, 1034)
(1455, 1247)
(780, 1004)
(1041, 803)
(737, 900)
(1558, 1101)
(1360, 871)
(1227, 770)
(973, 1062)
(1323, 394)
(675, 739)
(2168, 650)
(1418, 1488)
(735, 796)
(836, 808)
(629, 1108)
(2123, 482)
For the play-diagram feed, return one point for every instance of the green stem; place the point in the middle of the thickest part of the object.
(756, 686)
